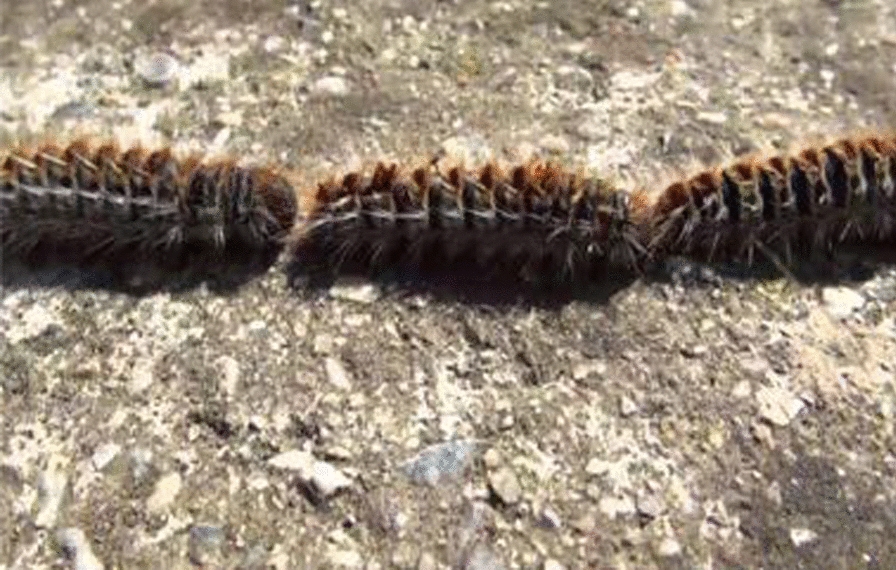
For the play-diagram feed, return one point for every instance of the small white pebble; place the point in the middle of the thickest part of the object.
(331, 85)
(75, 547)
(841, 302)
(294, 460)
(208, 69)
(51, 489)
(337, 374)
(801, 536)
(328, 480)
(104, 455)
(778, 406)
(35, 321)
(355, 291)
(166, 490)
(157, 69)
(669, 547)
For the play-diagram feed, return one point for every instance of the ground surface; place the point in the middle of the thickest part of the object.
(697, 421)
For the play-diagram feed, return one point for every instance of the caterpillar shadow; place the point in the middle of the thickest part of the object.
(847, 264)
(180, 271)
(471, 285)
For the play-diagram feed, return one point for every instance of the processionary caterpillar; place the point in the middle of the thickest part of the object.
(536, 222)
(813, 199)
(97, 204)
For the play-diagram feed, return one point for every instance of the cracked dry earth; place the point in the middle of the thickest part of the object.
(696, 419)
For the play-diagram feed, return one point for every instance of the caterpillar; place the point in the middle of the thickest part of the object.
(810, 200)
(535, 222)
(98, 204)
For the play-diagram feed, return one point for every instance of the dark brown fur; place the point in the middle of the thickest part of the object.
(97, 204)
(781, 205)
(536, 222)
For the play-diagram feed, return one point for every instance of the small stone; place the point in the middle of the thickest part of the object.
(549, 519)
(51, 486)
(440, 461)
(616, 506)
(627, 407)
(274, 44)
(104, 455)
(338, 452)
(801, 536)
(427, 562)
(551, 564)
(328, 480)
(331, 85)
(778, 406)
(142, 375)
(596, 466)
(256, 558)
(358, 292)
(712, 117)
(73, 110)
(205, 545)
(763, 434)
(697, 351)
(649, 506)
(141, 464)
(345, 558)
(466, 149)
(573, 78)
(588, 368)
(325, 478)
(337, 374)
(279, 560)
(668, 548)
(841, 301)
(35, 321)
(679, 8)
(481, 558)
(555, 144)
(742, 389)
(585, 524)
(157, 69)
(774, 495)
(591, 128)
(294, 460)
(75, 547)
(258, 328)
(492, 458)
(507, 422)
(505, 485)
(230, 374)
(11, 480)
(209, 69)
(165, 492)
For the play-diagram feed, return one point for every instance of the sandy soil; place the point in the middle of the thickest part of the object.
(695, 419)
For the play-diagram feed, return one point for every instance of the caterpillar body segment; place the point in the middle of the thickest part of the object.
(529, 222)
(781, 205)
(99, 204)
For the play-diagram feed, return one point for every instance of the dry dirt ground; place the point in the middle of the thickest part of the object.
(695, 419)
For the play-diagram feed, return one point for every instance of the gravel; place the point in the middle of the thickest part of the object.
(703, 415)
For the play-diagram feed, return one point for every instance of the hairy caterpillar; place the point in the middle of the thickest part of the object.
(534, 222)
(814, 199)
(537, 223)
(97, 204)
